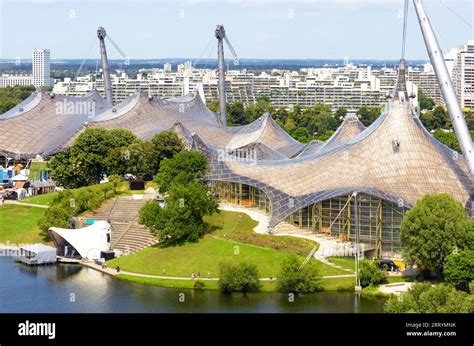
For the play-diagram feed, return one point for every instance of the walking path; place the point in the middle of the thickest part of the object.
(328, 246)
(113, 272)
(8, 201)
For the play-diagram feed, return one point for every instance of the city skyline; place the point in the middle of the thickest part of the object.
(363, 29)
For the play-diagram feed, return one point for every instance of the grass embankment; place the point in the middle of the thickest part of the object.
(18, 224)
(205, 255)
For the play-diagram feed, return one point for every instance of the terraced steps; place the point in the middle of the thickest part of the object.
(128, 236)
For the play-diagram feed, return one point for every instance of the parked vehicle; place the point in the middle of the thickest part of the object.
(387, 264)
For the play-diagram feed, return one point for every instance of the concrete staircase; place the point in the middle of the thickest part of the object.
(128, 236)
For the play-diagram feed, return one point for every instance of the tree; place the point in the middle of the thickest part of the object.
(182, 218)
(236, 114)
(341, 112)
(370, 274)
(140, 159)
(459, 269)
(294, 279)
(65, 173)
(184, 167)
(167, 144)
(367, 115)
(240, 277)
(425, 298)
(426, 103)
(86, 162)
(447, 138)
(430, 231)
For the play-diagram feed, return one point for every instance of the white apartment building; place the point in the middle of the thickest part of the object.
(463, 75)
(7, 80)
(349, 86)
(41, 61)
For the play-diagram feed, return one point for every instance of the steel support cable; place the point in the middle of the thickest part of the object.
(84, 60)
(456, 14)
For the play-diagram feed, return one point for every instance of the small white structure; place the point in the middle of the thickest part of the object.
(36, 254)
(87, 242)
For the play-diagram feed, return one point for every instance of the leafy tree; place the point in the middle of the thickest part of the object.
(430, 231)
(370, 274)
(341, 112)
(236, 114)
(88, 153)
(367, 115)
(167, 144)
(65, 172)
(447, 138)
(141, 160)
(117, 161)
(184, 167)
(425, 298)
(240, 277)
(12, 96)
(301, 134)
(119, 138)
(459, 269)
(426, 103)
(86, 162)
(292, 279)
(182, 218)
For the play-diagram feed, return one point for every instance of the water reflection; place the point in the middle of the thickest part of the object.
(73, 288)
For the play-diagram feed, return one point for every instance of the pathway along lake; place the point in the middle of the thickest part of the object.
(73, 289)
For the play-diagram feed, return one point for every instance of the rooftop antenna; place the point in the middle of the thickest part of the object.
(446, 86)
(221, 36)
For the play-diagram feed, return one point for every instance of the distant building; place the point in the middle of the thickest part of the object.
(8, 80)
(167, 67)
(463, 75)
(41, 61)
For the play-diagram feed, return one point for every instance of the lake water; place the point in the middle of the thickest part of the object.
(73, 288)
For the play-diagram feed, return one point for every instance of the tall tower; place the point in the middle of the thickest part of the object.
(105, 66)
(446, 85)
(41, 61)
(220, 34)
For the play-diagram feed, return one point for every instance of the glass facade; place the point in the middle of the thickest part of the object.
(379, 220)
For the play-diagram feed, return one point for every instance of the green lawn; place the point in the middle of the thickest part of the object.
(41, 199)
(205, 255)
(339, 284)
(239, 227)
(18, 224)
(344, 262)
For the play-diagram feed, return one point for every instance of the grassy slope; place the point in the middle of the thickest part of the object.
(344, 262)
(18, 224)
(205, 255)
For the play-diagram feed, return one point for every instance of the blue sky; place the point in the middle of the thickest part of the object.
(332, 29)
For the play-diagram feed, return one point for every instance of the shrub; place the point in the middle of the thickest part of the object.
(459, 269)
(55, 216)
(370, 274)
(424, 298)
(292, 279)
(241, 277)
(199, 285)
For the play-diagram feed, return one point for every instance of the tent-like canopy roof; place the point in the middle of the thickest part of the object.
(88, 241)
